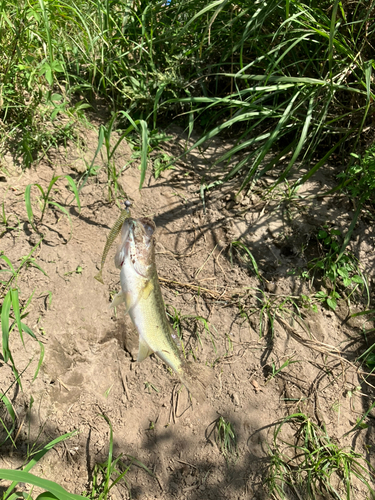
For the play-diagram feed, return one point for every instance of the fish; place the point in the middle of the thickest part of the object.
(141, 292)
(112, 236)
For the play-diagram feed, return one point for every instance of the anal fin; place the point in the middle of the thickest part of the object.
(144, 350)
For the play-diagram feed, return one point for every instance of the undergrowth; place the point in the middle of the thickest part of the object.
(314, 465)
(289, 85)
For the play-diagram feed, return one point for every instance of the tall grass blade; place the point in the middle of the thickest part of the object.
(5, 312)
(36, 458)
(26, 477)
(16, 310)
(74, 188)
(144, 152)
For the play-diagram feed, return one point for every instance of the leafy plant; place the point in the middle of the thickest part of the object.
(106, 475)
(314, 465)
(46, 200)
(17, 476)
(340, 270)
(162, 162)
(225, 438)
(359, 179)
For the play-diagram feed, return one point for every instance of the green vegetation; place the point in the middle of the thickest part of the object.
(106, 475)
(314, 465)
(193, 324)
(288, 84)
(225, 438)
(281, 77)
(12, 312)
(47, 202)
(24, 476)
(340, 270)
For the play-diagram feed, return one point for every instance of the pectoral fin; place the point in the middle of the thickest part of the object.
(121, 297)
(147, 289)
(143, 351)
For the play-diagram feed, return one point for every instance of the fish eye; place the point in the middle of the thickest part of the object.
(128, 203)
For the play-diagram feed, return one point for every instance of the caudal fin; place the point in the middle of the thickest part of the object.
(196, 378)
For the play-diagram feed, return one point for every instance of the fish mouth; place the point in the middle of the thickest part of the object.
(148, 226)
(139, 244)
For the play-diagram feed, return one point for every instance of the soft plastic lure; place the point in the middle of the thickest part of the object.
(112, 236)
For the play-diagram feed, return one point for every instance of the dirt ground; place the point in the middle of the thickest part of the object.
(89, 368)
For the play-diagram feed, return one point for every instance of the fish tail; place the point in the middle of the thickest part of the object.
(99, 277)
(196, 377)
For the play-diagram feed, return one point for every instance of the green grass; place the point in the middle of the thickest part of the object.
(192, 323)
(225, 437)
(287, 85)
(24, 476)
(13, 312)
(46, 201)
(314, 466)
(281, 78)
(108, 474)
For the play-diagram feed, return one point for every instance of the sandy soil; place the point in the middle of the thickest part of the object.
(89, 368)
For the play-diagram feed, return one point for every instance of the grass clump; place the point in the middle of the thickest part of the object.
(314, 465)
(338, 268)
(13, 311)
(225, 438)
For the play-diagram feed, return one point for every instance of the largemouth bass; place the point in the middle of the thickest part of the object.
(124, 214)
(140, 290)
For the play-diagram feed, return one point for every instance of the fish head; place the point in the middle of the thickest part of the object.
(137, 247)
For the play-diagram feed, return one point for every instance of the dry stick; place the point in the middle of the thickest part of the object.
(218, 263)
(186, 463)
(19, 430)
(205, 262)
(202, 289)
(124, 384)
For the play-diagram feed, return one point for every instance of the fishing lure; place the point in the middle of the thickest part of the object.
(112, 236)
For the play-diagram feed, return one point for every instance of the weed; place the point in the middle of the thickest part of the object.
(340, 270)
(314, 465)
(270, 307)
(9, 322)
(46, 200)
(245, 256)
(180, 321)
(24, 476)
(108, 474)
(161, 163)
(275, 371)
(359, 179)
(149, 386)
(225, 438)
(6, 221)
(308, 303)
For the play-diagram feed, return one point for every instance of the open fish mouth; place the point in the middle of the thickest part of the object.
(137, 244)
(148, 226)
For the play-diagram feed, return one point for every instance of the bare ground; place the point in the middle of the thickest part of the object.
(89, 369)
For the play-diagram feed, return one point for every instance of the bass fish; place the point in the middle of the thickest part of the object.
(140, 290)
